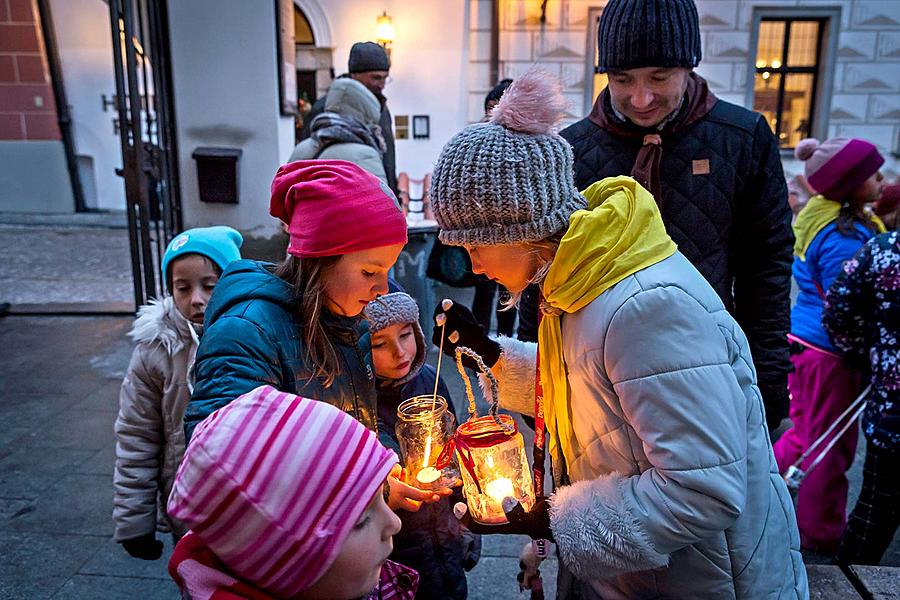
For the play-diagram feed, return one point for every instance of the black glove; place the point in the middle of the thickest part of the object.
(534, 523)
(776, 400)
(469, 332)
(146, 547)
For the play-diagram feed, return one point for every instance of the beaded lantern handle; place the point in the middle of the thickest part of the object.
(495, 388)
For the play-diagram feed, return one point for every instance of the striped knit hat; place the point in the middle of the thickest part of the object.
(511, 179)
(634, 34)
(272, 484)
(836, 167)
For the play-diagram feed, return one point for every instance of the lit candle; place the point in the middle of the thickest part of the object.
(499, 489)
(429, 475)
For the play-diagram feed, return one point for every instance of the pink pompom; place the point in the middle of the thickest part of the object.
(806, 148)
(532, 104)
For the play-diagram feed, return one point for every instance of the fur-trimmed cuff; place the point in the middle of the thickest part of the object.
(596, 530)
(515, 376)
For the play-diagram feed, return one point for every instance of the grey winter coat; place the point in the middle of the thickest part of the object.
(675, 491)
(150, 426)
(350, 99)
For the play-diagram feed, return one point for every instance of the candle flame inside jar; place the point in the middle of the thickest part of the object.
(499, 489)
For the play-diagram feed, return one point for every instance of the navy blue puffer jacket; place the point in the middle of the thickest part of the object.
(253, 336)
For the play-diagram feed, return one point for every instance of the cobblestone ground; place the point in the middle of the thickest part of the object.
(64, 265)
(59, 381)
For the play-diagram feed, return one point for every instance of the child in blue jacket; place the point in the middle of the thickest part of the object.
(829, 230)
(431, 541)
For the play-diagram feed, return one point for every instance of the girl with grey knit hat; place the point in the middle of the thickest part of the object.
(666, 482)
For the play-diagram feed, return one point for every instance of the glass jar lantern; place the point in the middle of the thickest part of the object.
(491, 455)
(424, 424)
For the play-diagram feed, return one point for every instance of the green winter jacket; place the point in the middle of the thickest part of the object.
(253, 336)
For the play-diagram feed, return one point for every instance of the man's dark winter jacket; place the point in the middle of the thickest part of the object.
(431, 541)
(389, 158)
(724, 202)
(253, 336)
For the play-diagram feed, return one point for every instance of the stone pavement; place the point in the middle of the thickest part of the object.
(59, 381)
(60, 378)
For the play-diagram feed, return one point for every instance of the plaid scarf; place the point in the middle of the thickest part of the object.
(332, 128)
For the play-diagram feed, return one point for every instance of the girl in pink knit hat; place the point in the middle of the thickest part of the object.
(284, 499)
(297, 326)
(829, 230)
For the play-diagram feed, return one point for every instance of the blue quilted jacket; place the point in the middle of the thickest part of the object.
(253, 336)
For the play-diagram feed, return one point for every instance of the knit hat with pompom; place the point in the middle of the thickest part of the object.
(511, 179)
(837, 167)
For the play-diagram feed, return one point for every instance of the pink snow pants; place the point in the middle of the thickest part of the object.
(822, 386)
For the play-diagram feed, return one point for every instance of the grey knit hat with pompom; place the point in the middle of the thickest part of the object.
(509, 180)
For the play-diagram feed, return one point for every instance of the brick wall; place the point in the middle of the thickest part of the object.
(27, 109)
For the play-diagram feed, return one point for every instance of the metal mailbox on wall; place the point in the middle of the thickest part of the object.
(217, 174)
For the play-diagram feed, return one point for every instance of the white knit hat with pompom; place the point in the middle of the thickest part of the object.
(511, 179)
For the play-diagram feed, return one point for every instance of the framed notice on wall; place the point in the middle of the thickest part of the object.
(286, 57)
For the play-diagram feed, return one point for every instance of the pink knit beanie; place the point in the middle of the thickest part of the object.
(837, 167)
(272, 484)
(333, 207)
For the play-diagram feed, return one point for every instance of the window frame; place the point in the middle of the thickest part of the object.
(823, 76)
(590, 68)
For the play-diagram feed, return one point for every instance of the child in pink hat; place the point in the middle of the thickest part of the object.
(297, 325)
(284, 499)
(829, 230)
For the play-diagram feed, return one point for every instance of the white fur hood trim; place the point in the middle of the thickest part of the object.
(159, 321)
(596, 530)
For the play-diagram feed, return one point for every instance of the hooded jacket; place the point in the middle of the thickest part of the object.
(668, 487)
(150, 425)
(348, 129)
(723, 198)
(675, 491)
(254, 336)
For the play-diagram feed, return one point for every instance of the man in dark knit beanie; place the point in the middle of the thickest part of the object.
(713, 167)
(369, 64)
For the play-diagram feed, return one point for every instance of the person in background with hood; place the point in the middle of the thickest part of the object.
(347, 130)
(714, 169)
(370, 65)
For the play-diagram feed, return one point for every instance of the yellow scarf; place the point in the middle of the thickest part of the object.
(620, 233)
(818, 213)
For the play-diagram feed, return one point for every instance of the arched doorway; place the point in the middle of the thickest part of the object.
(313, 57)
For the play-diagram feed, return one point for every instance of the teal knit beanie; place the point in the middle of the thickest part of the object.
(219, 244)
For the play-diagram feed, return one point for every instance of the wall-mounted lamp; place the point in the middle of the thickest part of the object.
(384, 30)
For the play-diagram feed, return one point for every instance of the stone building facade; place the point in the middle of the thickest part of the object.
(857, 63)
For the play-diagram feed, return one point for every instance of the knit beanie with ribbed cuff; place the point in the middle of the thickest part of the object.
(509, 180)
(396, 309)
(634, 34)
(836, 167)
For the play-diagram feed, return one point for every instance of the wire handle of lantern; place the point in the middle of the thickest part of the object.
(495, 388)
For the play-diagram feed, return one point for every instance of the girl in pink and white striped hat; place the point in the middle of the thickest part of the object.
(284, 499)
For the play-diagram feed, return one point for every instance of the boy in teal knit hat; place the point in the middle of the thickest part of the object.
(157, 387)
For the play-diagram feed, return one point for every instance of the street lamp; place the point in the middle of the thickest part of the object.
(384, 30)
